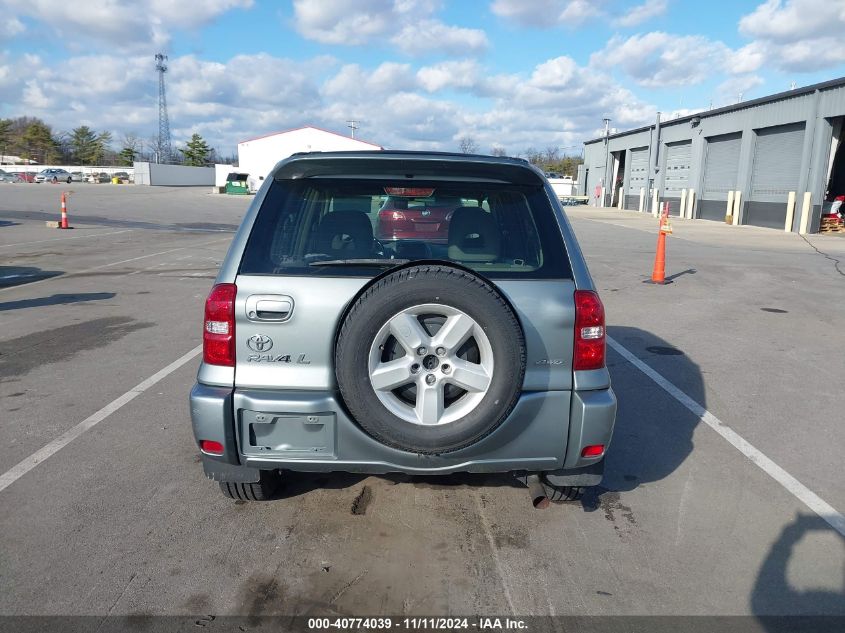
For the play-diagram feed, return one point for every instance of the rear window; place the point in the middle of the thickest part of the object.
(336, 227)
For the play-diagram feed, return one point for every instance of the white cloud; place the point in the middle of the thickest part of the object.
(451, 74)
(729, 91)
(409, 25)
(660, 59)
(808, 55)
(554, 73)
(353, 84)
(794, 20)
(427, 36)
(642, 13)
(747, 59)
(556, 103)
(797, 35)
(10, 27)
(333, 22)
(547, 13)
(119, 24)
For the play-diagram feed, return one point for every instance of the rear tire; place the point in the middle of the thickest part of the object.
(560, 494)
(262, 490)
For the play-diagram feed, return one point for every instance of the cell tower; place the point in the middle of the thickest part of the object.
(164, 152)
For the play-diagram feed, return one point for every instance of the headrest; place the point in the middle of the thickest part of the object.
(473, 236)
(345, 234)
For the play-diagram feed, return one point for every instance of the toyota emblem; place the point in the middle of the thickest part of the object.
(260, 343)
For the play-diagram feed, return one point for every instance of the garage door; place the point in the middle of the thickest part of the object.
(720, 174)
(676, 173)
(777, 166)
(638, 178)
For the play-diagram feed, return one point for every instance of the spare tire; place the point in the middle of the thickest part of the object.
(430, 359)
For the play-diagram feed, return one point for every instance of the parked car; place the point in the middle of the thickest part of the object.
(416, 214)
(23, 176)
(326, 350)
(77, 176)
(5, 176)
(122, 176)
(101, 177)
(53, 175)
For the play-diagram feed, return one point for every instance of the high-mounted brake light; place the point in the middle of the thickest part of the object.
(589, 331)
(409, 192)
(218, 336)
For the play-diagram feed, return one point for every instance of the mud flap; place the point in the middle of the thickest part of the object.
(221, 471)
(589, 476)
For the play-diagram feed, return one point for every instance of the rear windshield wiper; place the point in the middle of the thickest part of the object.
(361, 262)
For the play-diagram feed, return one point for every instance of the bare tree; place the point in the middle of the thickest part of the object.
(551, 155)
(498, 150)
(467, 145)
(533, 156)
(130, 149)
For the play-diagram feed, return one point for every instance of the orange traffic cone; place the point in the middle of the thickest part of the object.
(658, 272)
(64, 224)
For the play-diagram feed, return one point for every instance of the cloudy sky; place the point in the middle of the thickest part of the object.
(417, 74)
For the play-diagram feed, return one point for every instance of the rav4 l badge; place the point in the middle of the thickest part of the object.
(260, 343)
(302, 359)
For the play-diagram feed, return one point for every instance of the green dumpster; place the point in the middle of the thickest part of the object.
(236, 184)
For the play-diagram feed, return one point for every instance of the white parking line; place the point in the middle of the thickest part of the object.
(65, 239)
(833, 517)
(19, 470)
(123, 261)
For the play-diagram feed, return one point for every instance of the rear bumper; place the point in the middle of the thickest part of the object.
(311, 432)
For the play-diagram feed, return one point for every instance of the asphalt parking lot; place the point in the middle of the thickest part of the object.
(118, 520)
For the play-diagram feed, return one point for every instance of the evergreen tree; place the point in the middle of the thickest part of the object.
(196, 151)
(101, 146)
(37, 142)
(5, 135)
(83, 142)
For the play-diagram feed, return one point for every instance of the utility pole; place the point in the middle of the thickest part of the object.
(163, 150)
(606, 155)
(353, 125)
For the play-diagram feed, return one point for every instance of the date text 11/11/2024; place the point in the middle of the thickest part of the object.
(418, 624)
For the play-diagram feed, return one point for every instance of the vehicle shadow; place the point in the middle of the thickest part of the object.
(652, 436)
(653, 432)
(778, 604)
(59, 299)
(19, 275)
(295, 484)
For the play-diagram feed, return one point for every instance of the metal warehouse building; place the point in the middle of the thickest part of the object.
(775, 162)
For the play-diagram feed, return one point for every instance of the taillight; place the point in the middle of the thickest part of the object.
(211, 447)
(392, 215)
(218, 336)
(594, 450)
(589, 331)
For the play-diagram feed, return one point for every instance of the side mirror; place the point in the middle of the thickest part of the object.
(261, 178)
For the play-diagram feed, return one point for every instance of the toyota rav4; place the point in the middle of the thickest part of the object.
(326, 349)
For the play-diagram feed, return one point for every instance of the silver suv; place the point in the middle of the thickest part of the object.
(325, 349)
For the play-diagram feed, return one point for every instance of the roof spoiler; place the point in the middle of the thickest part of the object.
(408, 166)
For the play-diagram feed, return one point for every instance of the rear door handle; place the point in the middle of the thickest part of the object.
(269, 308)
